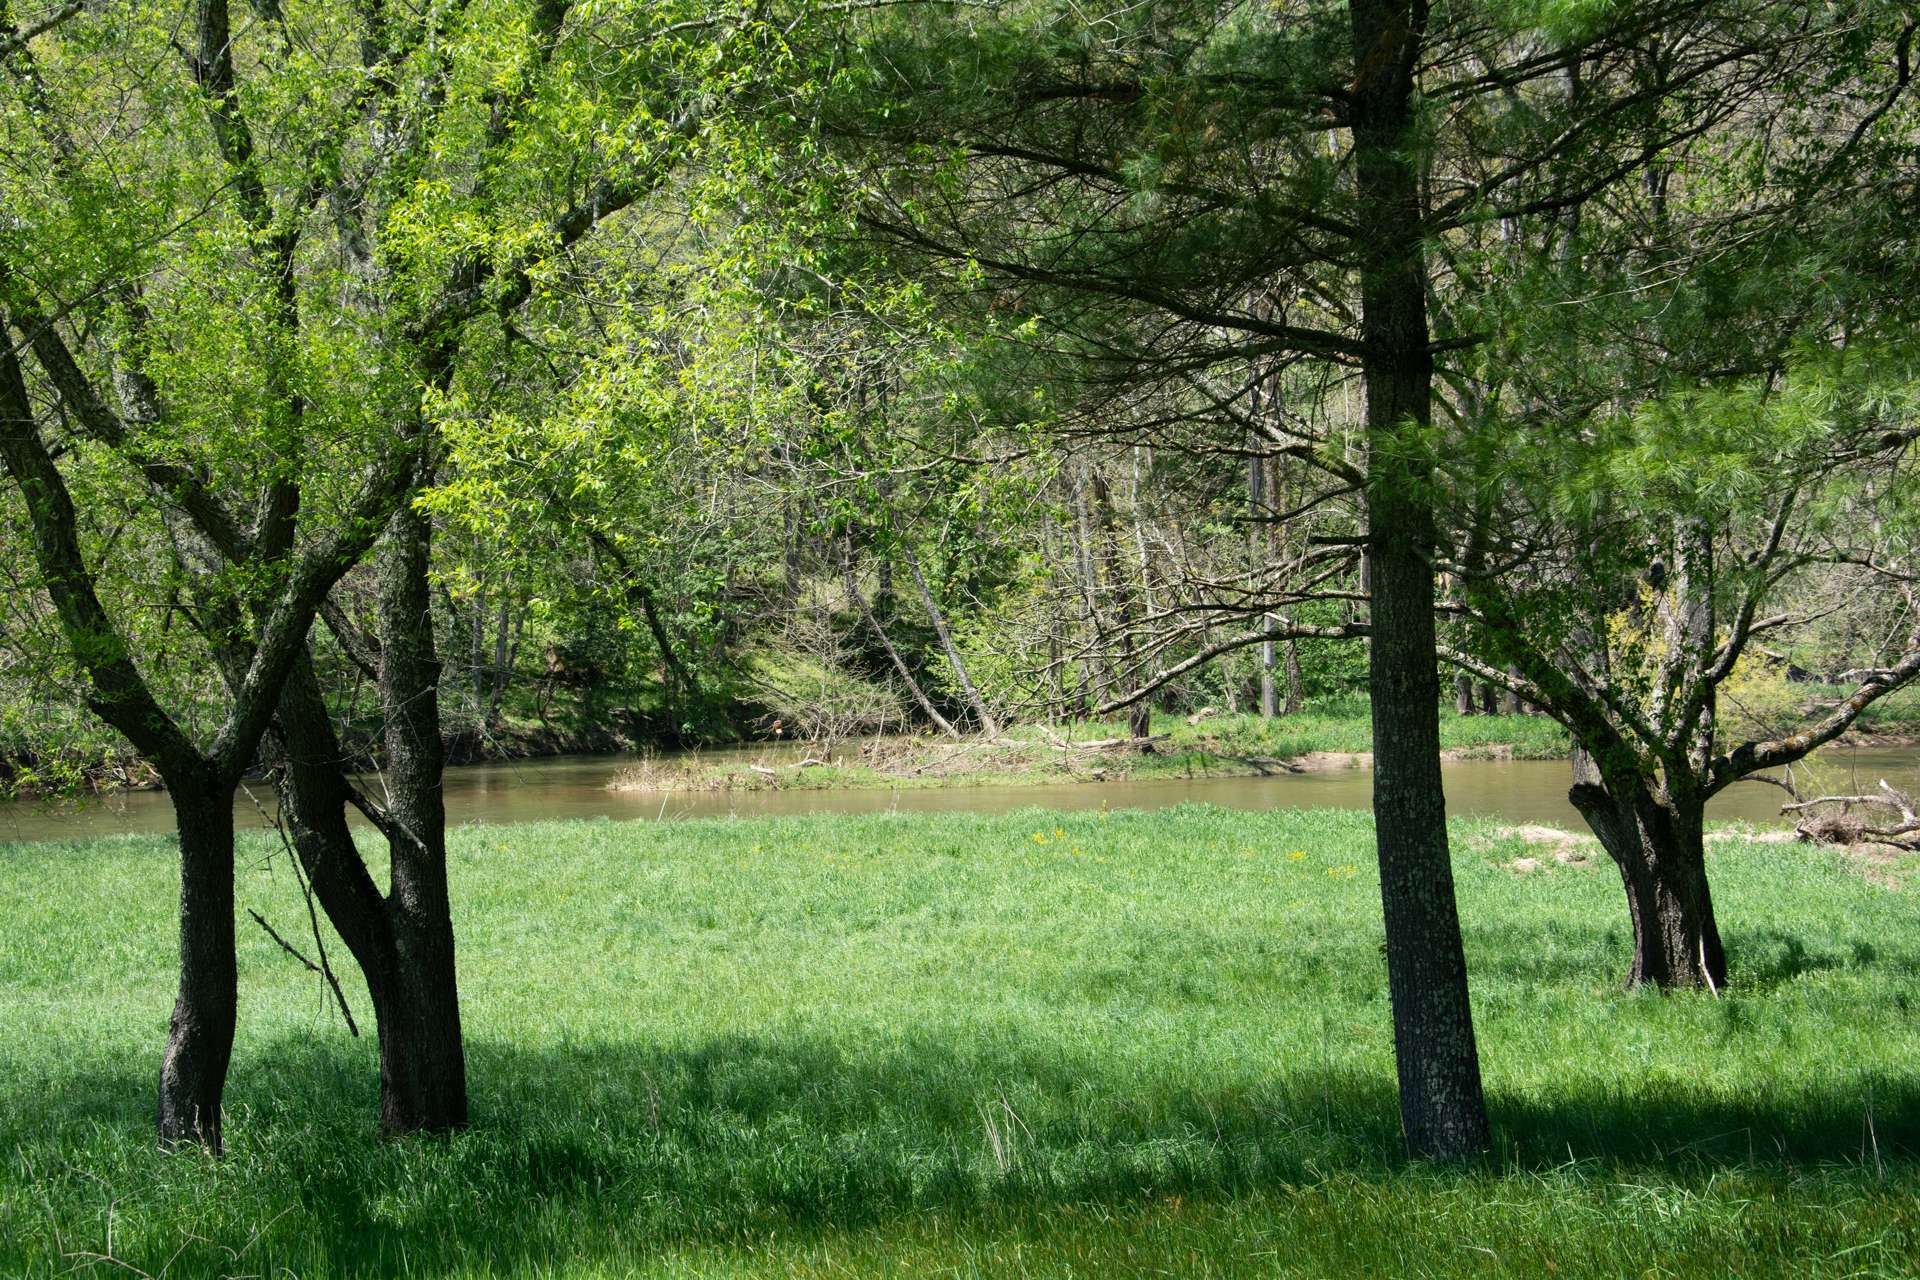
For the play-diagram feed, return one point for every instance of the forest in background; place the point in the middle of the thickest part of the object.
(779, 447)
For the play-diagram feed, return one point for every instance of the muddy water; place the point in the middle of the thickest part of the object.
(576, 787)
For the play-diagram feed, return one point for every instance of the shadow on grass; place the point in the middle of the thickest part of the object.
(834, 1127)
(745, 1134)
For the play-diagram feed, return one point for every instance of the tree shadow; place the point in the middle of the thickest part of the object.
(1771, 958)
(799, 1131)
(1761, 960)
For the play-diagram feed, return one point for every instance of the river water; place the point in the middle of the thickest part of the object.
(577, 787)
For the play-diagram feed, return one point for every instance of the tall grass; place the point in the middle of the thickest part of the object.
(1042, 1044)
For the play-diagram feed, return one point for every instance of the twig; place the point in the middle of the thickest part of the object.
(324, 968)
(295, 952)
(1873, 1136)
(1784, 783)
(285, 946)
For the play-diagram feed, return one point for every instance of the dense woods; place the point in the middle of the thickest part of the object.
(393, 385)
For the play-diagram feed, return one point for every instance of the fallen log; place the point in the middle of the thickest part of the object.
(1102, 744)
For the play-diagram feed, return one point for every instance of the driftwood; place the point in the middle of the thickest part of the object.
(1265, 765)
(1102, 744)
(1823, 827)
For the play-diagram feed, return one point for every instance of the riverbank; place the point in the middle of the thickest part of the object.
(1037, 1044)
(1326, 736)
(582, 787)
(1176, 747)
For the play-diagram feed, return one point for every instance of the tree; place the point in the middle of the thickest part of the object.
(1643, 628)
(1660, 474)
(201, 778)
(1177, 222)
(1137, 185)
(387, 212)
(255, 586)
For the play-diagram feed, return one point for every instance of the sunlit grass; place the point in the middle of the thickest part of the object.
(1039, 1044)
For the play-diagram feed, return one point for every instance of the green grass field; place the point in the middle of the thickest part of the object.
(1137, 1044)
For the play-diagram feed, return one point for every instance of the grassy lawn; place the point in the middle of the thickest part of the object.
(1034, 1045)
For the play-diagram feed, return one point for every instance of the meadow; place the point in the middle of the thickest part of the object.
(1039, 1044)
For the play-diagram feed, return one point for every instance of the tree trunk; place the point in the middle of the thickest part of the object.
(1269, 693)
(1125, 599)
(1442, 1110)
(1094, 664)
(419, 1042)
(1296, 683)
(1463, 702)
(1510, 702)
(1658, 845)
(479, 672)
(506, 651)
(988, 725)
(1257, 542)
(790, 549)
(423, 1064)
(1489, 700)
(193, 1069)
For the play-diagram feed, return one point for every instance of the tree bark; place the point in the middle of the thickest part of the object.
(414, 1049)
(1658, 845)
(193, 1067)
(1442, 1110)
(423, 1063)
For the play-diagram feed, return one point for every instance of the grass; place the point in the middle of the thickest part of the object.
(1040, 1044)
(1217, 747)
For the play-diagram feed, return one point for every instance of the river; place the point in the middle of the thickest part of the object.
(577, 787)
